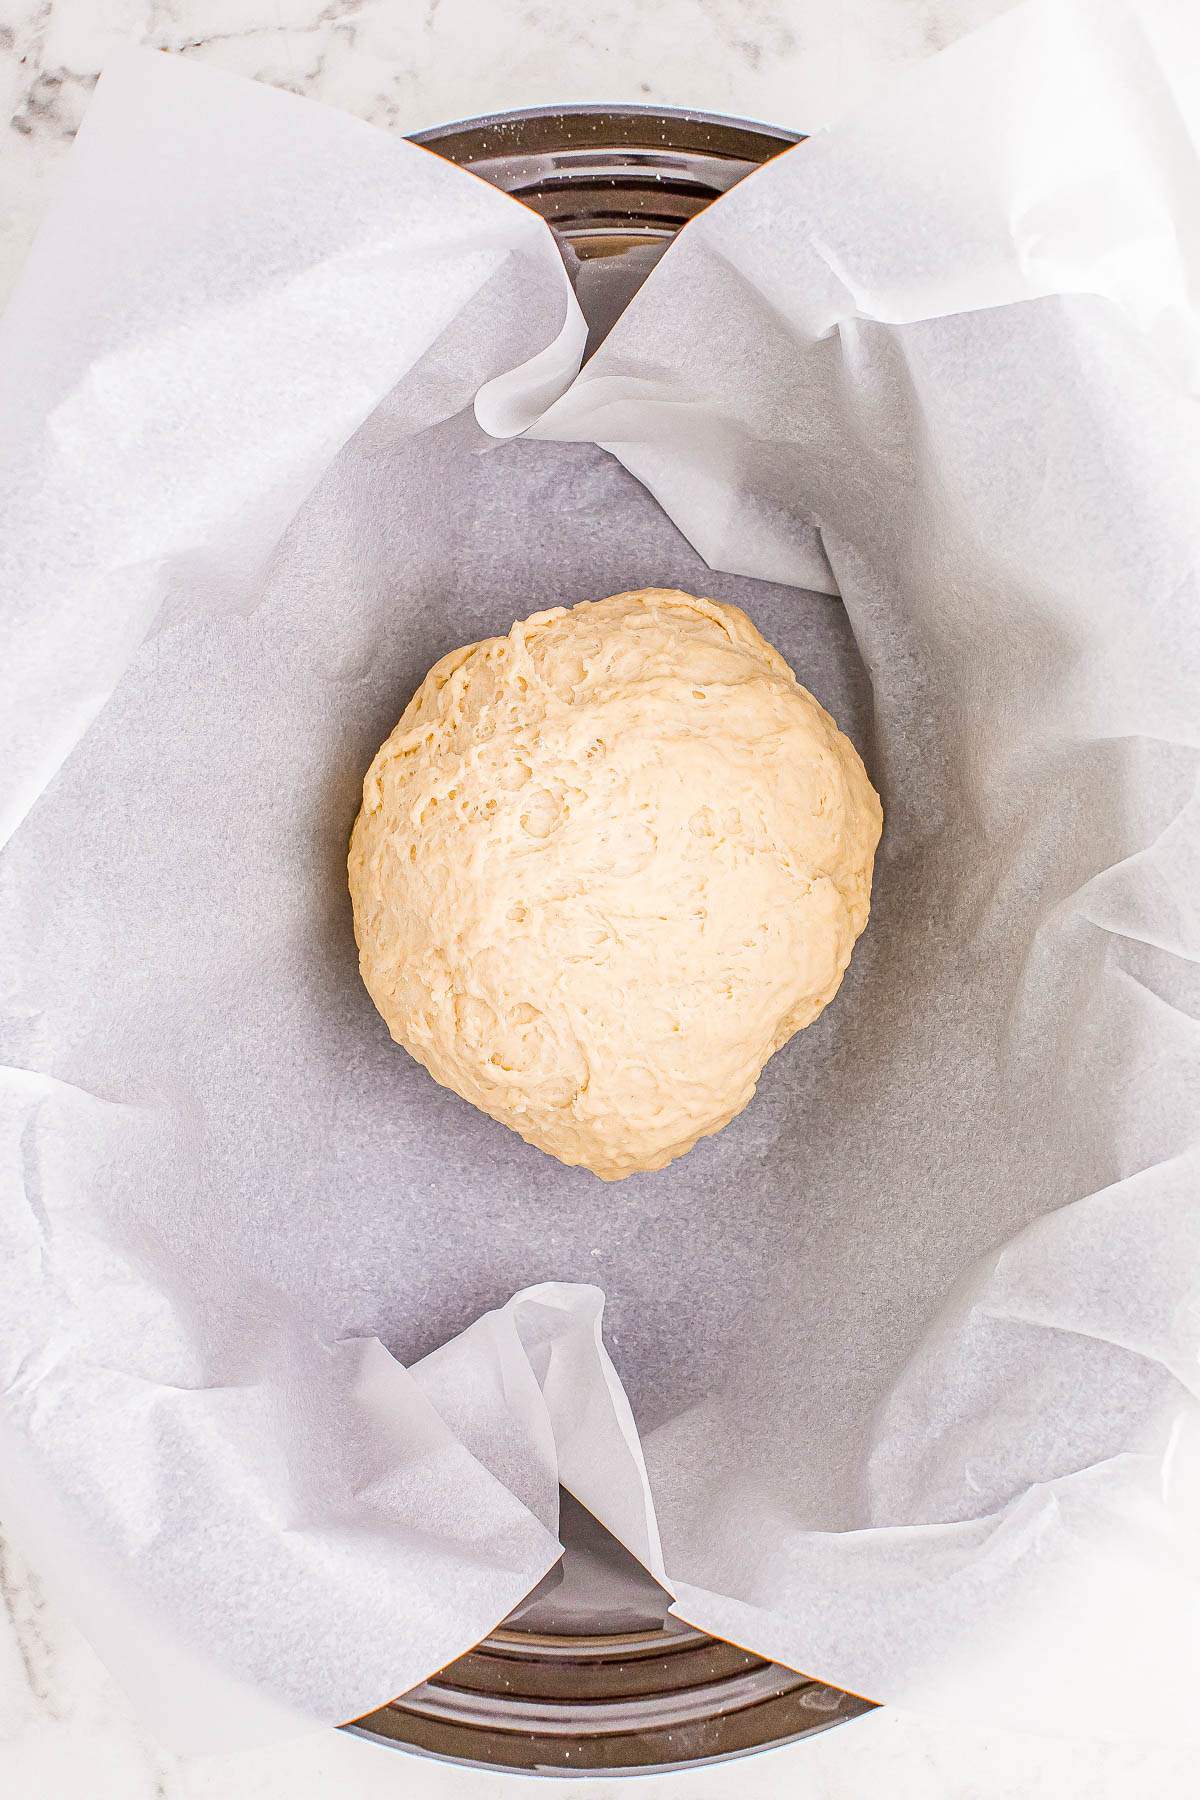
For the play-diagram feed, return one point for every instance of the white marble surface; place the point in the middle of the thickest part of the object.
(407, 64)
(66, 1731)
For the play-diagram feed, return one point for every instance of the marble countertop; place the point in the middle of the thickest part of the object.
(68, 1733)
(65, 1728)
(409, 64)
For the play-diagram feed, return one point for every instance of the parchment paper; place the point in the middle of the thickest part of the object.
(913, 1346)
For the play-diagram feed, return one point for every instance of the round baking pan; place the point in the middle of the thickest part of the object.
(591, 1674)
(614, 185)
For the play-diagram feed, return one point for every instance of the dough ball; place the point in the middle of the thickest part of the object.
(604, 867)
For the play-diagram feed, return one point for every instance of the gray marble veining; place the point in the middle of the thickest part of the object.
(408, 64)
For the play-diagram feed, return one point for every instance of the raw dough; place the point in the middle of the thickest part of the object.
(605, 866)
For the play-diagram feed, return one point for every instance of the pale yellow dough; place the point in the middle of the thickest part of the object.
(605, 866)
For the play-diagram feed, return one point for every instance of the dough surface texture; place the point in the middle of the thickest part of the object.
(605, 866)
